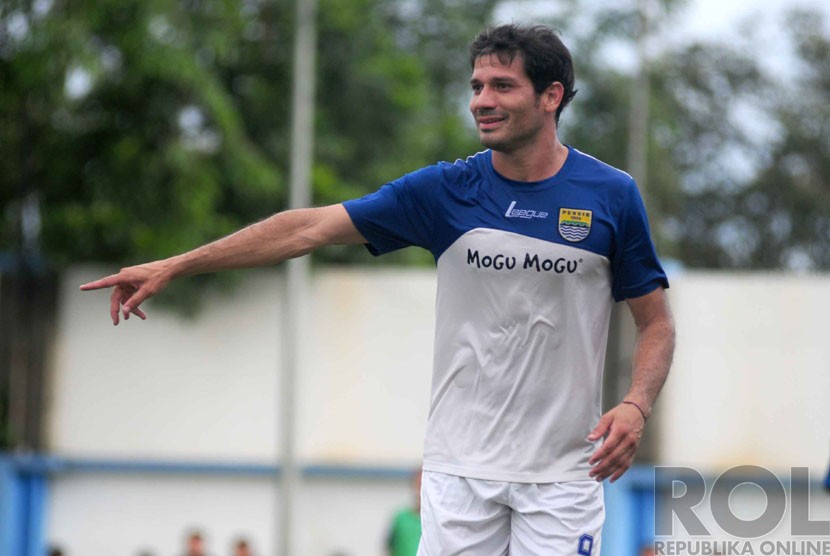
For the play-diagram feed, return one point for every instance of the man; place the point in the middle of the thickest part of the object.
(405, 531)
(533, 241)
(241, 547)
(195, 544)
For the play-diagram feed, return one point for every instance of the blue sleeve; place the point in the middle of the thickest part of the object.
(636, 269)
(399, 214)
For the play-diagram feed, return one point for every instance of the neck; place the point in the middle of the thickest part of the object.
(535, 162)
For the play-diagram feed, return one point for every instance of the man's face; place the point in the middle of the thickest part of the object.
(508, 112)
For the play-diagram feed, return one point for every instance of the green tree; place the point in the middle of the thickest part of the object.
(752, 152)
(785, 209)
(144, 128)
(136, 129)
(737, 158)
(126, 134)
(391, 79)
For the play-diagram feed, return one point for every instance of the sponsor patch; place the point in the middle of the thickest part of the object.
(574, 224)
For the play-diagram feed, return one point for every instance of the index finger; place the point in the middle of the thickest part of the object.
(608, 445)
(106, 282)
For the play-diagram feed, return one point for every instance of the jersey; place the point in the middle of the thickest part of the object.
(527, 273)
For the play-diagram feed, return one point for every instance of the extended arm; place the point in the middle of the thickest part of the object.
(283, 236)
(623, 425)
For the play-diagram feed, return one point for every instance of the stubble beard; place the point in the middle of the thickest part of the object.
(511, 142)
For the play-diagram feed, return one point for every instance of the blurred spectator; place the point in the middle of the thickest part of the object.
(195, 544)
(405, 532)
(242, 547)
(55, 551)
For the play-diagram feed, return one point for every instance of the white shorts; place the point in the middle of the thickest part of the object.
(473, 517)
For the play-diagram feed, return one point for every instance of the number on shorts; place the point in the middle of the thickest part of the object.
(586, 545)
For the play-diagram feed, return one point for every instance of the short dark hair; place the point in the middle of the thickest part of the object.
(546, 58)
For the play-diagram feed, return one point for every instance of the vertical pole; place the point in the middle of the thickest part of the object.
(302, 129)
(637, 161)
(618, 356)
(638, 115)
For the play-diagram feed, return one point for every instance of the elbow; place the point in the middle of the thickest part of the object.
(307, 240)
(300, 234)
(302, 245)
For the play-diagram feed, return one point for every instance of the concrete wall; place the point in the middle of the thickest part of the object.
(751, 378)
(209, 388)
(749, 386)
(172, 389)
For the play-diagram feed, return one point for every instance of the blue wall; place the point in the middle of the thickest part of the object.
(23, 504)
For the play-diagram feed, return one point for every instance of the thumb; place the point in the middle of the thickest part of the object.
(135, 300)
(602, 427)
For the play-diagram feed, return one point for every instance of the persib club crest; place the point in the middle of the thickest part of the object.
(574, 224)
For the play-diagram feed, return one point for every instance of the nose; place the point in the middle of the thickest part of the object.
(483, 100)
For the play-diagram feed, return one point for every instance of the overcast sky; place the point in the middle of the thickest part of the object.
(699, 19)
(710, 18)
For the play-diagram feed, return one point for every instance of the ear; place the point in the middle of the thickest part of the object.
(552, 96)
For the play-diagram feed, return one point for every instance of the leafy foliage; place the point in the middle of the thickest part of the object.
(738, 158)
(142, 128)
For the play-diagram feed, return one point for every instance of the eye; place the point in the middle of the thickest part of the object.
(476, 87)
(503, 86)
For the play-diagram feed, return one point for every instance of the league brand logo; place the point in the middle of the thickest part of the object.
(513, 212)
(574, 224)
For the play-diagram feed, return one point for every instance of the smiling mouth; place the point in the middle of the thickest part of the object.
(489, 122)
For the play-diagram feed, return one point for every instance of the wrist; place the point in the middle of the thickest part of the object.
(639, 407)
(180, 265)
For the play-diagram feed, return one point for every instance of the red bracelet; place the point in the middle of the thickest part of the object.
(640, 409)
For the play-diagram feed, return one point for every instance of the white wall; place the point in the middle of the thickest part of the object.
(166, 387)
(209, 388)
(751, 378)
(364, 391)
(749, 386)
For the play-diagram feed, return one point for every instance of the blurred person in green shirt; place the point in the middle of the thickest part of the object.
(405, 531)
